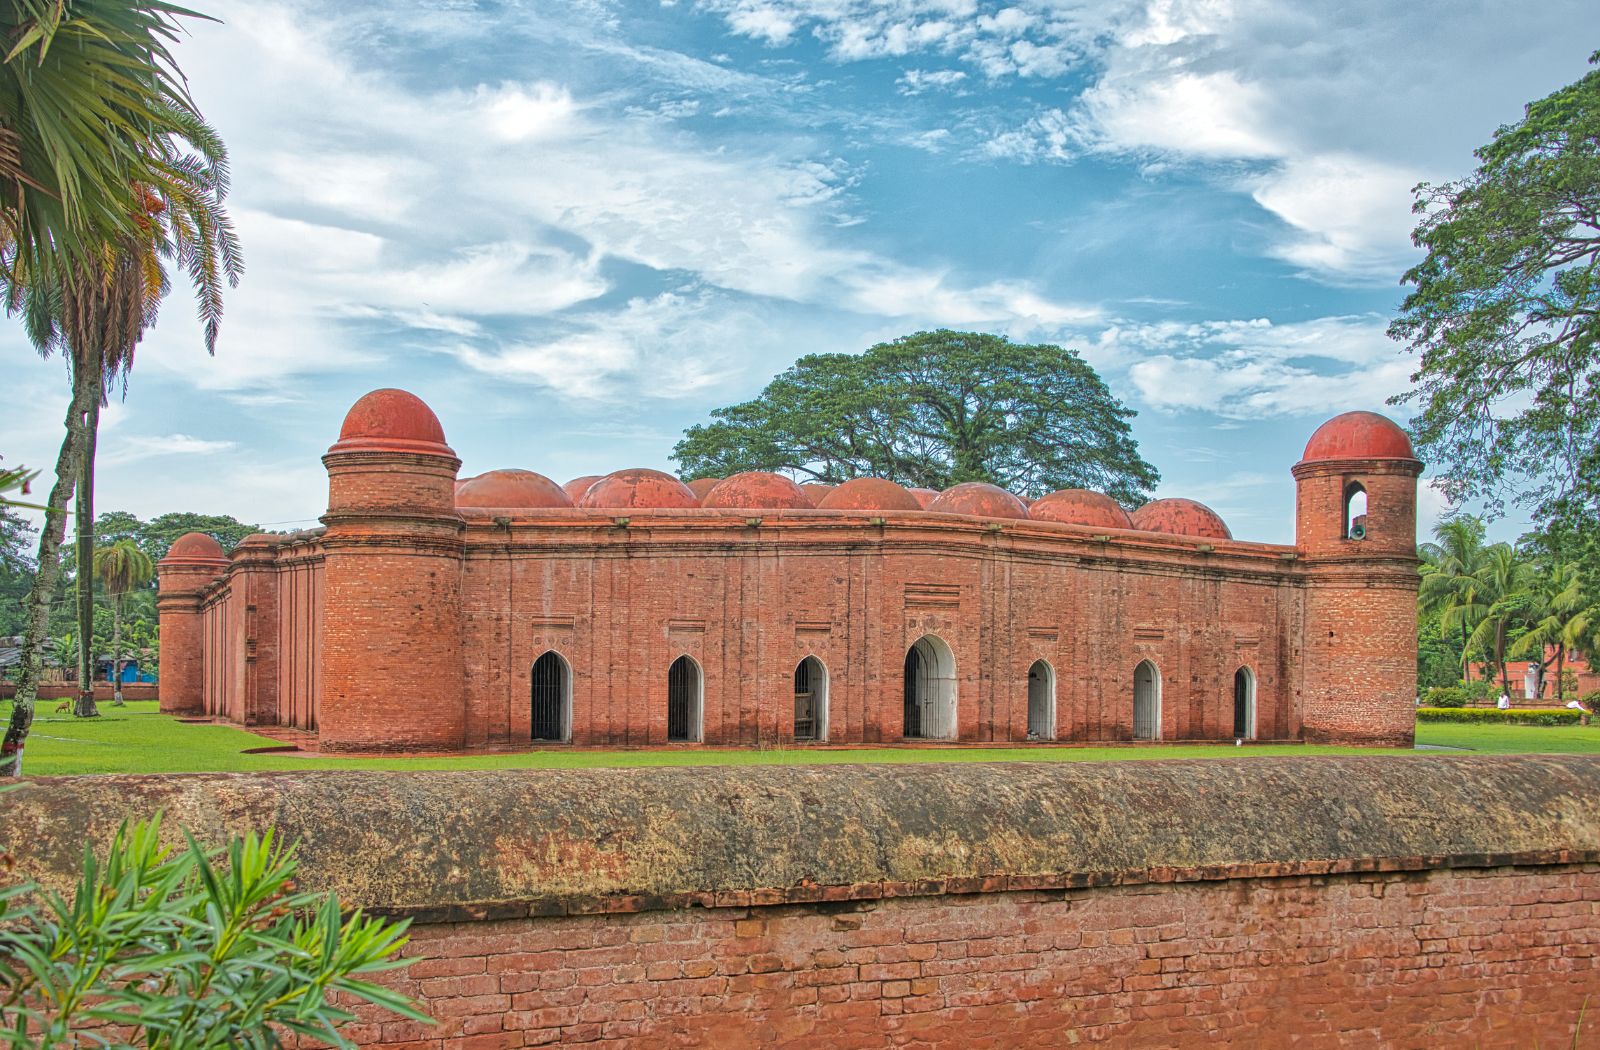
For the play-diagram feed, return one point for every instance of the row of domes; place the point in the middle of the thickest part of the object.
(644, 489)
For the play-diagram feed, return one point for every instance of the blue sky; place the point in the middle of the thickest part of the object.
(576, 227)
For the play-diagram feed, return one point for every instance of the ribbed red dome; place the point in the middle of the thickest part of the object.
(924, 496)
(578, 486)
(514, 489)
(1181, 517)
(195, 546)
(638, 489)
(756, 489)
(701, 486)
(1080, 507)
(1359, 435)
(462, 481)
(816, 492)
(869, 494)
(391, 420)
(979, 499)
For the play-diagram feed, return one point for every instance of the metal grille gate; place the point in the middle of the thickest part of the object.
(1241, 704)
(549, 697)
(1144, 702)
(805, 702)
(916, 687)
(682, 689)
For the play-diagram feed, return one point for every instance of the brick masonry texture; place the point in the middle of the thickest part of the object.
(1319, 902)
(408, 624)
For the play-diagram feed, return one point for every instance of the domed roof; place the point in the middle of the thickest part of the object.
(869, 494)
(980, 499)
(195, 546)
(391, 420)
(1181, 517)
(462, 481)
(701, 486)
(1359, 435)
(515, 489)
(639, 489)
(1080, 507)
(578, 486)
(756, 489)
(924, 496)
(816, 491)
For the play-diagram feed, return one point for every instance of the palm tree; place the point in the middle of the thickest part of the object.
(121, 567)
(1561, 617)
(1450, 585)
(1502, 589)
(90, 100)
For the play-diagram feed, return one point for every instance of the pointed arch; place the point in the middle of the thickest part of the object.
(1244, 704)
(685, 701)
(1146, 701)
(811, 700)
(1355, 511)
(550, 685)
(1041, 701)
(930, 690)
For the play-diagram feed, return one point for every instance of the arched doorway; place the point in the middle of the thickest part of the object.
(552, 698)
(930, 693)
(810, 700)
(684, 701)
(1041, 701)
(1146, 702)
(1244, 704)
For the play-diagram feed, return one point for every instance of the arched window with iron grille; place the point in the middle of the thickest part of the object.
(930, 690)
(810, 700)
(1244, 704)
(552, 698)
(684, 701)
(1146, 702)
(1041, 701)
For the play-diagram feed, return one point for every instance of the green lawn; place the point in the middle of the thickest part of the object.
(136, 739)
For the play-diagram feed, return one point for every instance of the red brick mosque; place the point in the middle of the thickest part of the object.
(432, 613)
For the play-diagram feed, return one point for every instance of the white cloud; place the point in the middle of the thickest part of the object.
(916, 81)
(1346, 213)
(131, 448)
(1255, 369)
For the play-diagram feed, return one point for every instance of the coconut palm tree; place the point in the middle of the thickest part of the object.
(1503, 590)
(1562, 617)
(121, 567)
(90, 102)
(1450, 585)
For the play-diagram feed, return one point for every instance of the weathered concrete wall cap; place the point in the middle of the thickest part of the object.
(433, 841)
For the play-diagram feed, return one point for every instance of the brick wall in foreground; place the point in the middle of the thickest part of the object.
(1498, 957)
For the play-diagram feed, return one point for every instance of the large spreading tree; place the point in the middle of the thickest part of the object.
(1505, 314)
(932, 410)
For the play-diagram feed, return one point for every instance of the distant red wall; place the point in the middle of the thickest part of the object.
(103, 691)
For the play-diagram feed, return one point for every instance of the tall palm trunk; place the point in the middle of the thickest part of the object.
(85, 391)
(1500, 657)
(85, 707)
(116, 650)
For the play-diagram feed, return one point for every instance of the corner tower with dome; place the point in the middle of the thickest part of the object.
(434, 613)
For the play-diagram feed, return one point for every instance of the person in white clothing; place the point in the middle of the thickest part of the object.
(1504, 703)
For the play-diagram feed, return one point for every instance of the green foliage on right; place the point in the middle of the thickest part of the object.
(1559, 716)
(189, 949)
(932, 410)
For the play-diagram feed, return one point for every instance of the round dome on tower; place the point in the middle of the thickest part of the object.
(756, 489)
(514, 489)
(391, 420)
(1080, 507)
(816, 492)
(195, 546)
(869, 494)
(1181, 517)
(924, 496)
(578, 486)
(1359, 435)
(979, 499)
(638, 489)
(701, 486)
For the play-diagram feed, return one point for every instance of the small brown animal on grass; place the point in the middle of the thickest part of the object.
(63, 707)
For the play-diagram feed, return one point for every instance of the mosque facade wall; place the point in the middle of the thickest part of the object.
(414, 624)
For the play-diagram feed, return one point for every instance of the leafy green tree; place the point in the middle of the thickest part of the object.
(1504, 312)
(1450, 589)
(91, 98)
(16, 569)
(159, 534)
(932, 410)
(189, 949)
(1503, 587)
(121, 567)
